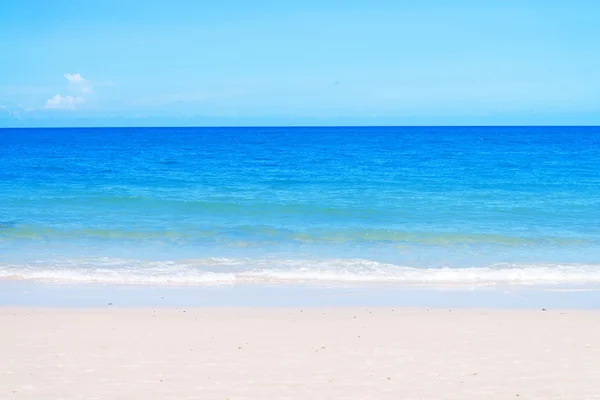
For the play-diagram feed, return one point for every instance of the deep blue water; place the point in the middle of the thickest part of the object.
(219, 205)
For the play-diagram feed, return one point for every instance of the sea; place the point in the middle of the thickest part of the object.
(407, 206)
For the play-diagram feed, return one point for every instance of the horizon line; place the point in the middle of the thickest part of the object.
(294, 126)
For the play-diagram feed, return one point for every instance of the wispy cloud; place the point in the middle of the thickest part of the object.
(64, 102)
(78, 83)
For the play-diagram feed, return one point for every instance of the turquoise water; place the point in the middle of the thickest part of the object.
(398, 205)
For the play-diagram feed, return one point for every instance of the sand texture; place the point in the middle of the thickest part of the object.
(315, 353)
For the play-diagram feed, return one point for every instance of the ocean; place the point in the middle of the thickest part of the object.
(432, 206)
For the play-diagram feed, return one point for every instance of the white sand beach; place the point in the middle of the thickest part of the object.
(293, 353)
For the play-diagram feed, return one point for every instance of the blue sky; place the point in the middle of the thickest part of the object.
(310, 62)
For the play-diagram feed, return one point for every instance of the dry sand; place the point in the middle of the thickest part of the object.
(339, 353)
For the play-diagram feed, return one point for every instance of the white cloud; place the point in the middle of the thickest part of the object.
(63, 102)
(80, 91)
(78, 83)
(74, 77)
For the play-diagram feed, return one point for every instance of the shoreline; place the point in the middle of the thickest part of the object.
(54, 295)
(294, 353)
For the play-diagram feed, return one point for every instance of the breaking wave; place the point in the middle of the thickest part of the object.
(228, 271)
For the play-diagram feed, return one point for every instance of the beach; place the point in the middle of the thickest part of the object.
(307, 200)
(300, 263)
(298, 353)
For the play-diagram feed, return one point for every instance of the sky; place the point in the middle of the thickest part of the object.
(309, 62)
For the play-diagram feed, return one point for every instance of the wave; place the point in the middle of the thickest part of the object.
(174, 206)
(263, 233)
(228, 271)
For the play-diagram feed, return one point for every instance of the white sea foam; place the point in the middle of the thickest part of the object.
(227, 271)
